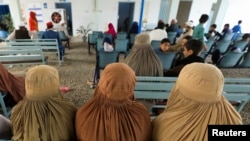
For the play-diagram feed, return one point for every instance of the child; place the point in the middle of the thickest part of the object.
(164, 46)
(191, 53)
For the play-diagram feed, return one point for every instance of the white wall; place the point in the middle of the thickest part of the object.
(238, 10)
(84, 12)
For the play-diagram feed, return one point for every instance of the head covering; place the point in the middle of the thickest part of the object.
(111, 30)
(47, 116)
(134, 28)
(107, 40)
(14, 85)
(195, 102)
(143, 59)
(190, 24)
(112, 114)
(49, 25)
(42, 81)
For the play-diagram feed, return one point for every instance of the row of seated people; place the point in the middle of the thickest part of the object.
(113, 113)
(143, 59)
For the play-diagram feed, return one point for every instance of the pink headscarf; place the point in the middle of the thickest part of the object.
(111, 30)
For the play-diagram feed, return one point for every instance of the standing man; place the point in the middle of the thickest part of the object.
(236, 29)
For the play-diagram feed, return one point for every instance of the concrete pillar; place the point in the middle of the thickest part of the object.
(172, 8)
(15, 11)
(220, 10)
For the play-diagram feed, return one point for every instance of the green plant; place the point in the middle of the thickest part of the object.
(8, 22)
(83, 31)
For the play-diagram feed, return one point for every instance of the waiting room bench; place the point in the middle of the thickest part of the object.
(22, 55)
(48, 46)
(236, 90)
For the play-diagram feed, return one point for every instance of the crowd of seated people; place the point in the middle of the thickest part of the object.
(41, 113)
(113, 113)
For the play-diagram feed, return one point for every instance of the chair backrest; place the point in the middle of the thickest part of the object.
(241, 44)
(209, 44)
(121, 35)
(99, 33)
(230, 59)
(172, 37)
(155, 44)
(106, 58)
(92, 38)
(167, 59)
(39, 34)
(245, 63)
(222, 46)
(62, 35)
(132, 38)
(108, 35)
(228, 37)
(204, 54)
(121, 45)
(99, 44)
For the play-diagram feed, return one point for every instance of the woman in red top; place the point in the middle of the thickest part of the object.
(33, 23)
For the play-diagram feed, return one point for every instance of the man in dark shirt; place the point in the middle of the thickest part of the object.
(191, 53)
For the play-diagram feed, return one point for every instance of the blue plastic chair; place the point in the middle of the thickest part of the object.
(121, 35)
(99, 44)
(92, 40)
(64, 38)
(222, 46)
(172, 37)
(167, 59)
(106, 58)
(121, 45)
(230, 59)
(245, 63)
(155, 44)
(241, 44)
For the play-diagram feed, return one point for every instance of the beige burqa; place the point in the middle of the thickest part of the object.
(43, 115)
(142, 58)
(195, 102)
(113, 114)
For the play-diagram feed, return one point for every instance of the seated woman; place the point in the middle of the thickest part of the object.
(113, 114)
(13, 85)
(107, 47)
(195, 102)
(43, 114)
(142, 58)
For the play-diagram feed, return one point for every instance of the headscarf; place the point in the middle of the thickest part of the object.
(44, 114)
(143, 59)
(112, 114)
(107, 40)
(14, 85)
(134, 28)
(111, 30)
(195, 102)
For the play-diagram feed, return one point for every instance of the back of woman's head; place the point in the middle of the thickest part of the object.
(42, 81)
(142, 39)
(117, 86)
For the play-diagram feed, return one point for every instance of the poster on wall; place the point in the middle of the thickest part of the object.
(37, 8)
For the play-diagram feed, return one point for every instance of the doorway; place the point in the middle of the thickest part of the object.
(183, 12)
(67, 7)
(126, 16)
